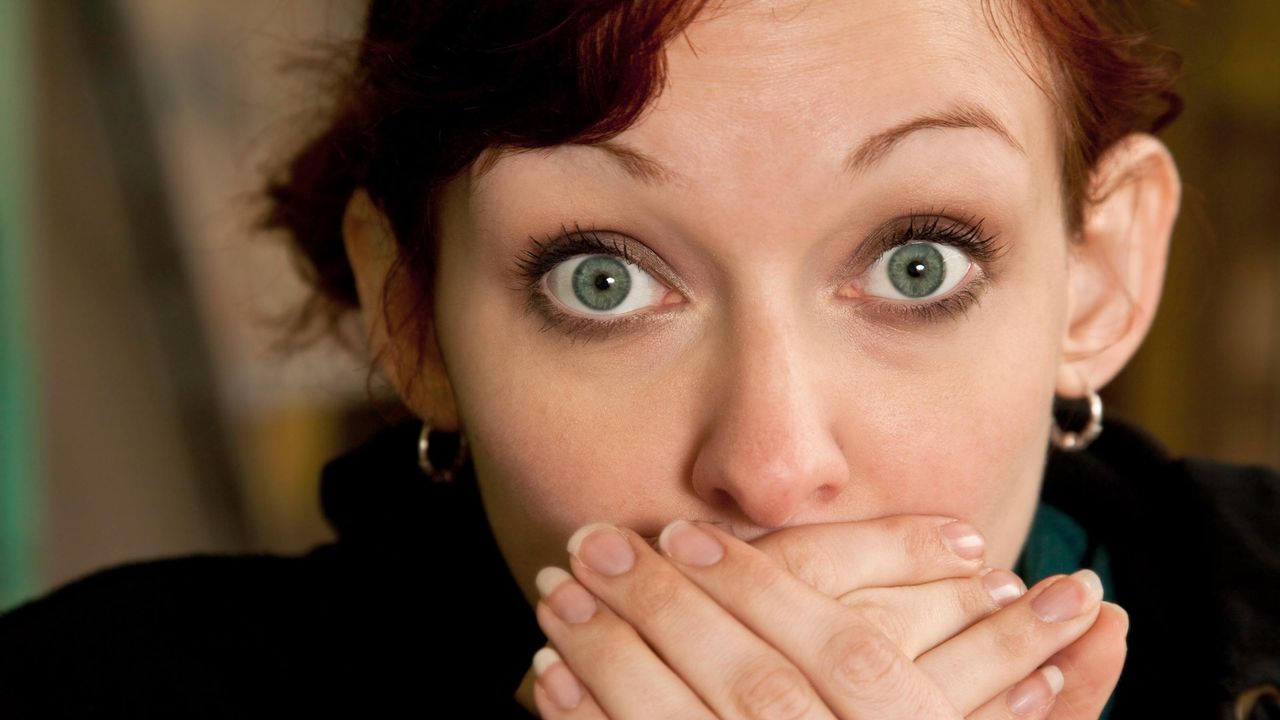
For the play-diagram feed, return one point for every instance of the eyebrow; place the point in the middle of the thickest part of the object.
(870, 151)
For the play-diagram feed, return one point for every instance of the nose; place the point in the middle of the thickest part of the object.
(769, 453)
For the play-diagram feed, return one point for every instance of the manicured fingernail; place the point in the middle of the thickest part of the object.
(567, 599)
(1036, 691)
(603, 549)
(1003, 586)
(557, 679)
(689, 544)
(1069, 597)
(963, 539)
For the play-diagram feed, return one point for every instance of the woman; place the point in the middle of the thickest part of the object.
(752, 317)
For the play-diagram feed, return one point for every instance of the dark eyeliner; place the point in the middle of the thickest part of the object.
(935, 227)
(543, 254)
(535, 262)
(538, 260)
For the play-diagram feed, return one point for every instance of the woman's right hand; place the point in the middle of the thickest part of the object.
(768, 613)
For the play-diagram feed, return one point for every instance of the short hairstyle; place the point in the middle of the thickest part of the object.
(436, 83)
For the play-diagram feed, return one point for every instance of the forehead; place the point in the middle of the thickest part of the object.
(759, 79)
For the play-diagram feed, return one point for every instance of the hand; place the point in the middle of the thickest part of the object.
(833, 559)
(729, 631)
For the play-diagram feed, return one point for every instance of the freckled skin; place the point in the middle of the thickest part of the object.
(764, 397)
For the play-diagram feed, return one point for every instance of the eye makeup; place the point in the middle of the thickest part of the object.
(544, 254)
(966, 235)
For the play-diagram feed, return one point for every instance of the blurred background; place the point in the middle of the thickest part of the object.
(145, 409)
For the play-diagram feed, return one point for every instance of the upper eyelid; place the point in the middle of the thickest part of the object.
(635, 252)
(887, 236)
(882, 239)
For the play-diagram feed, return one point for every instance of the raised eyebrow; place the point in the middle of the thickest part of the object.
(651, 171)
(873, 149)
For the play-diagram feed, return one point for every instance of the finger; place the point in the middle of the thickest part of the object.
(1031, 699)
(1092, 666)
(557, 693)
(838, 558)
(918, 618)
(858, 671)
(978, 663)
(735, 672)
(608, 657)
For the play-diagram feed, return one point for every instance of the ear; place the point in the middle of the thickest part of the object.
(419, 379)
(1116, 267)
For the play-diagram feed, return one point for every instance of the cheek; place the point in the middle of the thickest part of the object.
(567, 451)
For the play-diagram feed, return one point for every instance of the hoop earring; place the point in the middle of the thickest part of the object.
(429, 469)
(1072, 440)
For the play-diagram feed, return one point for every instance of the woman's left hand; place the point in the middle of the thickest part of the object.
(819, 554)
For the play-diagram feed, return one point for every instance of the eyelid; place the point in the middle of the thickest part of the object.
(890, 234)
(562, 247)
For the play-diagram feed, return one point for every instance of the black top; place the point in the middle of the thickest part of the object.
(413, 606)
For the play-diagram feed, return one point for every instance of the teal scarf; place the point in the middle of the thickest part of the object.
(1057, 545)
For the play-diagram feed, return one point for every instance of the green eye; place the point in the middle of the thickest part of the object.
(602, 285)
(917, 271)
(601, 282)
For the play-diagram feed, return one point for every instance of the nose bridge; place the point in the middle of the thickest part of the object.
(769, 448)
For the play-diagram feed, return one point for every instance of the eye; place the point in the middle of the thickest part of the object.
(602, 285)
(917, 271)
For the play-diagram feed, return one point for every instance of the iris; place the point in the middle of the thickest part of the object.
(601, 282)
(916, 269)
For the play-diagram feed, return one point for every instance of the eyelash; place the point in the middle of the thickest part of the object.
(535, 262)
(544, 254)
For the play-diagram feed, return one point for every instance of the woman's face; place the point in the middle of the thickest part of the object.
(842, 297)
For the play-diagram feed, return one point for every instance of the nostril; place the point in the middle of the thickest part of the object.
(826, 493)
(721, 498)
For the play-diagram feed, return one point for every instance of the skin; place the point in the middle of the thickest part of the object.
(771, 389)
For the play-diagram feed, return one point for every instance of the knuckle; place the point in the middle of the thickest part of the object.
(1015, 642)
(658, 596)
(769, 691)
(920, 541)
(887, 621)
(858, 658)
(807, 560)
(973, 599)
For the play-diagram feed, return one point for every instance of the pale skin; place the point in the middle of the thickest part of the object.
(770, 385)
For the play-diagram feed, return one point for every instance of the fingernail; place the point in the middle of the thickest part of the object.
(963, 539)
(1003, 586)
(1069, 597)
(557, 679)
(567, 599)
(1035, 692)
(603, 549)
(689, 544)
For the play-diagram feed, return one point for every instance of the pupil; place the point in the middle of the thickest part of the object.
(603, 282)
(916, 269)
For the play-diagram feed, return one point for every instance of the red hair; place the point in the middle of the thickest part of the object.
(437, 83)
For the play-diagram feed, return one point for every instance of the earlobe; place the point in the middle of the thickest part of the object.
(1116, 267)
(419, 378)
